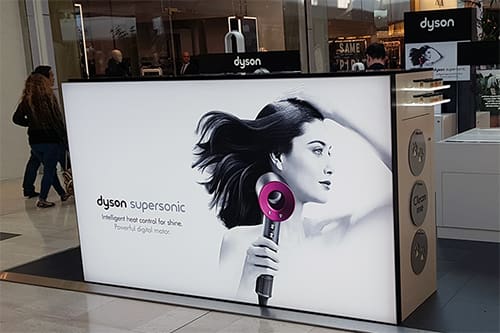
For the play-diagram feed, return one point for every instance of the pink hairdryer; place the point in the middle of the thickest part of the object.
(277, 203)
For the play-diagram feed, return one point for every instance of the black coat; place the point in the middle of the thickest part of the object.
(376, 66)
(191, 69)
(117, 68)
(50, 129)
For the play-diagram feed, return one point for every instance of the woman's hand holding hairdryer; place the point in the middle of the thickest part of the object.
(262, 259)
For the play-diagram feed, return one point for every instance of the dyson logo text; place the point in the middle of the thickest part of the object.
(242, 63)
(434, 24)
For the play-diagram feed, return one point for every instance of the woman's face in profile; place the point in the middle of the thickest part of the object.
(307, 168)
(432, 55)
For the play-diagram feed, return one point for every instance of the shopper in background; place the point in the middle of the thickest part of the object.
(33, 162)
(187, 67)
(375, 56)
(117, 66)
(39, 111)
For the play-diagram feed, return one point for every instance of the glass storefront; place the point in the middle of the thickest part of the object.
(352, 25)
(154, 34)
(234, 36)
(329, 35)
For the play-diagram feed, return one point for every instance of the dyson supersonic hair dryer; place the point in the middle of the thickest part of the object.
(277, 203)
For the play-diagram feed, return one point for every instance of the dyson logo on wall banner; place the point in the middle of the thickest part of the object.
(434, 24)
(242, 63)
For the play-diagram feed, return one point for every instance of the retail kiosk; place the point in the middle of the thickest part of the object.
(468, 185)
(145, 220)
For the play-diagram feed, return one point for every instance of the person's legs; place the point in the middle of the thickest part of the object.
(49, 154)
(58, 153)
(64, 159)
(57, 184)
(55, 154)
(41, 151)
(30, 176)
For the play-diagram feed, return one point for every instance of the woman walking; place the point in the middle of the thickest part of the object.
(39, 111)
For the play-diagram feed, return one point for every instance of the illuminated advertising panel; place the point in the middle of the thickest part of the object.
(276, 192)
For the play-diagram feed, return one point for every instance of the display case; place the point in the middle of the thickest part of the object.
(468, 185)
(445, 125)
(175, 204)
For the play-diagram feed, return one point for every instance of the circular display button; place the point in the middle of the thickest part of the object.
(418, 203)
(416, 152)
(418, 254)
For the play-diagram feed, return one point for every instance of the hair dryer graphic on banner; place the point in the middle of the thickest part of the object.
(277, 203)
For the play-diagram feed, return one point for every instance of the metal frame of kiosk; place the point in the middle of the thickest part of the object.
(413, 195)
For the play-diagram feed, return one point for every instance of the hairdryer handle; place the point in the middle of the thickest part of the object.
(271, 230)
(264, 288)
(264, 283)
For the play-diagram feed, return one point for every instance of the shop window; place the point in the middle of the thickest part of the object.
(353, 25)
(156, 33)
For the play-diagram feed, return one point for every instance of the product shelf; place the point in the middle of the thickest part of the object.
(444, 101)
(426, 89)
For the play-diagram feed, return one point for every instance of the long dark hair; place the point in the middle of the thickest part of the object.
(45, 113)
(417, 56)
(235, 152)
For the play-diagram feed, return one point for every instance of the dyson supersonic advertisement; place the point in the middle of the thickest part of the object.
(276, 192)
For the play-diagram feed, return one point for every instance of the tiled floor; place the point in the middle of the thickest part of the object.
(26, 308)
(43, 231)
(468, 296)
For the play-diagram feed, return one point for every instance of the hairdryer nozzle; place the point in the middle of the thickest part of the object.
(275, 198)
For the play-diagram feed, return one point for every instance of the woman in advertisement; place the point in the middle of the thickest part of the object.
(425, 56)
(291, 139)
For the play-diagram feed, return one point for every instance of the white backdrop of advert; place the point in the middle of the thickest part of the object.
(132, 144)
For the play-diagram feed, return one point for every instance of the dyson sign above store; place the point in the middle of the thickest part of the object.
(245, 62)
(430, 25)
(440, 25)
(249, 62)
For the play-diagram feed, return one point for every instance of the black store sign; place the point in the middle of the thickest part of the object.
(348, 52)
(273, 61)
(440, 25)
